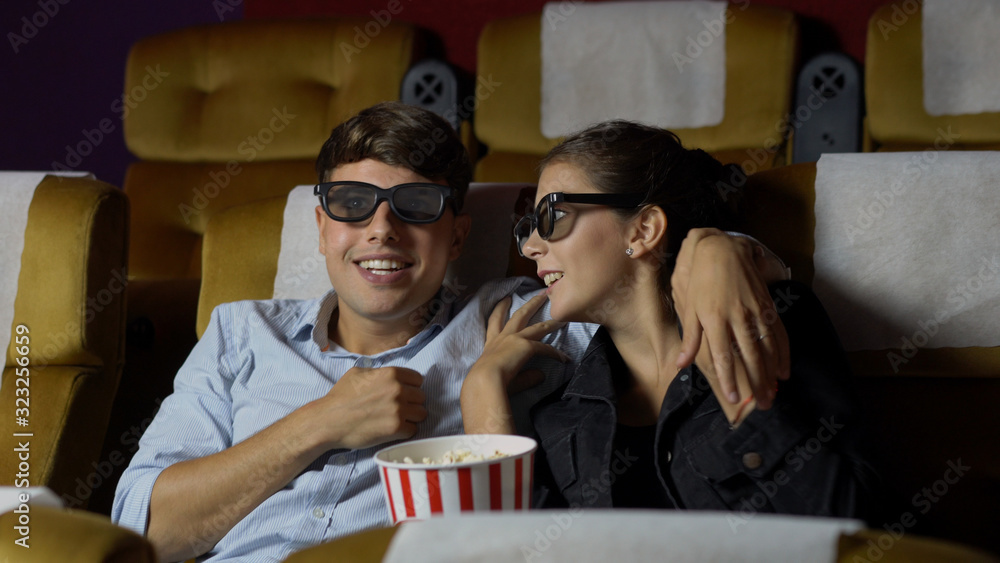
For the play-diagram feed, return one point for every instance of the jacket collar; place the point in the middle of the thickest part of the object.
(598, 370)
(602, 367)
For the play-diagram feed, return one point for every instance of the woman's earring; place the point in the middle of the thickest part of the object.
(629, 251)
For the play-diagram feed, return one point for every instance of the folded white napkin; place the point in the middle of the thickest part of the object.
(908, 248)
(302, 270)
(660, 63)
(16, 190)
(619, 535)
(961, 49)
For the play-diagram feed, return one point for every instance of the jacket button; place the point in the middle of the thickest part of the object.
(752, 460)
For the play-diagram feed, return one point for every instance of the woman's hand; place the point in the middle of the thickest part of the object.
(729, 319)
(509, 345)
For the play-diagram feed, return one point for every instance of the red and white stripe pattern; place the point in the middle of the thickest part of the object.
(419, 494)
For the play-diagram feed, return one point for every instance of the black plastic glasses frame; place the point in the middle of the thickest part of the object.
(543, 219)
(386, 194)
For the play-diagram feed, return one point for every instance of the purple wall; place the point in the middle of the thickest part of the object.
(62, 83)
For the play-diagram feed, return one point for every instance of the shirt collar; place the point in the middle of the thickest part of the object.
(315, 317)
(594, 377)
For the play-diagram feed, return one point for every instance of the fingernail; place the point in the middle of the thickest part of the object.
(734, 397)
(771, 393)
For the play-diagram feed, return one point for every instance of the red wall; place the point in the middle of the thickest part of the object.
(825, 24)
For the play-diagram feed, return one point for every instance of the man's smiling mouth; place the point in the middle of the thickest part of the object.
(382, 267)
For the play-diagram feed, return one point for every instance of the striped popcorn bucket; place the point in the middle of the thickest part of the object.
(418, 491)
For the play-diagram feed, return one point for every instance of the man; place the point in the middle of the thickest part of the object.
(265, 447)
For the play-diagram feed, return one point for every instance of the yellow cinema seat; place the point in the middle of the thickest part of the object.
(71, 301)
(72, 535)
(761, 50)
(894, 91)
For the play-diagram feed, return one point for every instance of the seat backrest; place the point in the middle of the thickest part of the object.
(228, 113)
(761, 48)
(894, 90)
(920, 414)
(71, 299)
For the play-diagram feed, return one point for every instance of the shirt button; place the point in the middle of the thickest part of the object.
(752, 460)
(669, 456)
(684, 377)
(318, 512)
(366, 362)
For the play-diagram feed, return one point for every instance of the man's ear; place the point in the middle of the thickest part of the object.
(320, 224)
(460, 232)
(649, 230)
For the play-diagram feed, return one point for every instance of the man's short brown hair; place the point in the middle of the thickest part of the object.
(398, 134)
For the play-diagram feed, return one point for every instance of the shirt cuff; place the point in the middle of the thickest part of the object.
(767, 251)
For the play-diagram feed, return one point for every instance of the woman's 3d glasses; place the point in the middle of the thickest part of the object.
(546, 218)
(356, 201)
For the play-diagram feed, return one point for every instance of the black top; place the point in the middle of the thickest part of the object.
(636, 482)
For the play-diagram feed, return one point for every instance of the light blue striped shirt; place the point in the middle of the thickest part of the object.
(260, 360)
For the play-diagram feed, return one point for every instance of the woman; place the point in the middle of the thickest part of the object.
(629, 429)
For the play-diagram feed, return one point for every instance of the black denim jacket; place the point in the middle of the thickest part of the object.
(799, 457)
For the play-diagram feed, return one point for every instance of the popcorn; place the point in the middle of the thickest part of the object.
(456, 456)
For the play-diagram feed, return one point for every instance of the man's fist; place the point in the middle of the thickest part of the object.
(370, 406)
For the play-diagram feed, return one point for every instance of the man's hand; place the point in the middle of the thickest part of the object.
(727, 315)
(375, 405)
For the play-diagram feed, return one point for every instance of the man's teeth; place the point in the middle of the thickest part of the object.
(381, 267)
(551, 278)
